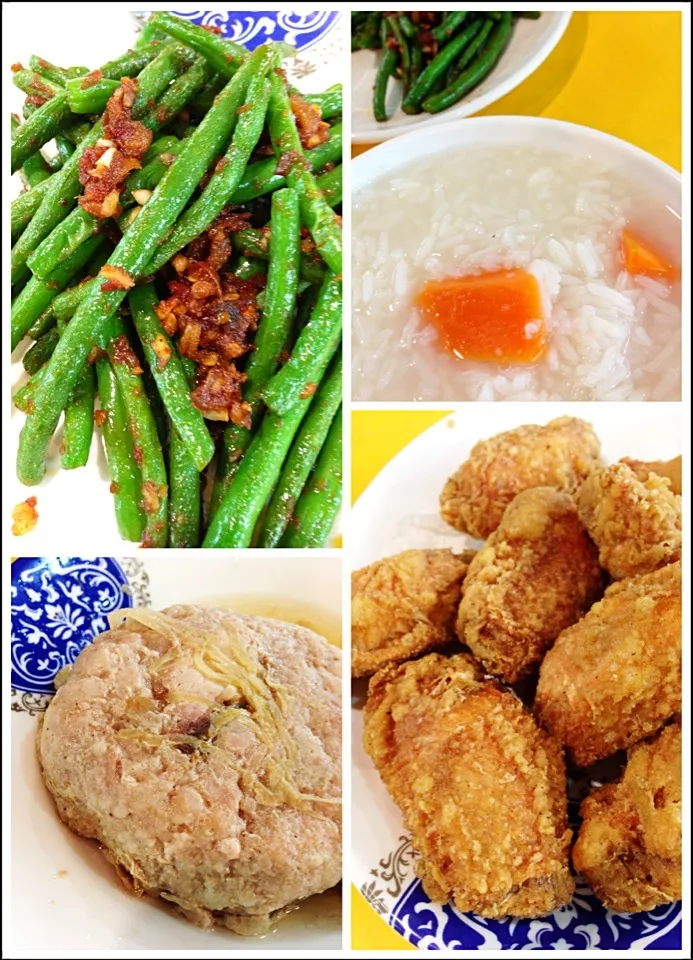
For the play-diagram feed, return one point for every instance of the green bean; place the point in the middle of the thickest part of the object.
(38, 129)
(148, 33)
(35, 169)
(88, 97)
(494, 16)
(154, 80)
(65, 148)
(304, 452)
(234, 520)
(256, 243)
(40, 352)
(371, 31)
(34, 85)
(202, 213)
(402, 45)
(407, 26)
(316, 213)
(477, 71)
(450, 25)
(170, 378)
(248, 267)
(147, 447)
(416, 62)
(386, 69)
(55, 114)
(23, 398)
(330, 102)
(314, 349)
(24, 207)
(321, 499)
(528, 14)
(79, 225)
(37, 294)
(43, 324)
(185, 505)
(132, 255)
(330, 185)
(51, 72)
(438, 67)
(223, 55)
(78, 423)
(261, 177)
(273, 331)
(469, 53)
(126, 477)
(66, 303)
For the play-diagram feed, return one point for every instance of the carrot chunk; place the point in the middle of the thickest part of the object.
(641, 259)
(494, 317)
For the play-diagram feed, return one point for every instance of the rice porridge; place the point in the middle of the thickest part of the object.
(611, 333)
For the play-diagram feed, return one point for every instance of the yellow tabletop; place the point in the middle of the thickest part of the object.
(617, 72)
(375, 439)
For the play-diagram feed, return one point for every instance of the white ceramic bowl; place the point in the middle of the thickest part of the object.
(617, 155)
(531, 43)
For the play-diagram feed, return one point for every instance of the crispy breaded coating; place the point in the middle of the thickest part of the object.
(404, 606)
(636, 524)
(535, 576)
(614, 677)
(559, 455)
(629, 845)
(671, 470)
(481, 787)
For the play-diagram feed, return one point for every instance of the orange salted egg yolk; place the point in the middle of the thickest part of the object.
(494, 317)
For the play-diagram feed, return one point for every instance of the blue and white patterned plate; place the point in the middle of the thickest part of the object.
(315, 34)
(58, 606)
(66, 899)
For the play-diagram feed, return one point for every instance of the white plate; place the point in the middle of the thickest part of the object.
(398, 510)
(65, 896)
(75, 507)
(531, 43)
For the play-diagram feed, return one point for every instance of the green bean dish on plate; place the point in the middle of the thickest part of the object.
(176, 261)
(438, 58)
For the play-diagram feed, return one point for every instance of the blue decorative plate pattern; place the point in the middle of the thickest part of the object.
(58, 606)
(584, 924)
(254, 27)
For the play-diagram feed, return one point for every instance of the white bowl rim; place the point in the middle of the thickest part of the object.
(471, 105)
(397, 147)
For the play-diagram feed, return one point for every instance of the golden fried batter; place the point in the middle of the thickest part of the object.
(671, 470)
(629, 846)
(404, 606)
(559, 455)
(614, 677)
(535, 576)
(481, 787)
(636, 524)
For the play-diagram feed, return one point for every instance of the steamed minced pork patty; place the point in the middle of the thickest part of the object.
(202, 748)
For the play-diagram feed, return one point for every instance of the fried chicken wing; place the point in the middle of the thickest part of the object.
(481, 787)
(535, 576)
(559, 455)
(629, 845)
(671, 470)
(636, 524)
(404, 606)
(614, 677)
